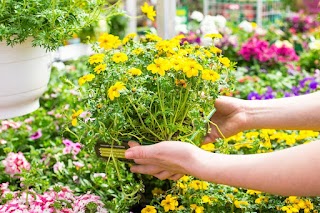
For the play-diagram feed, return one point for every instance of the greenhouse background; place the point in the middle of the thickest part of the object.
(148, 71)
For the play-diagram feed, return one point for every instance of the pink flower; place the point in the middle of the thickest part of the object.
(36, 135)
(2, 141)
(58, 166)
(43, 203)
(78, 165)
(29, 120)
(15, 163)
(103, 175)
(70, 147)
(7, 124)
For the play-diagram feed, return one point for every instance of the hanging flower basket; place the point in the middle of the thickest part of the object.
(24, 75)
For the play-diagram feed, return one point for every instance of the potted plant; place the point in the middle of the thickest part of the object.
(29, 32)
(150, 89)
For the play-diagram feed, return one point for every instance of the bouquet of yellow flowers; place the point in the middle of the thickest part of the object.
(151, 90)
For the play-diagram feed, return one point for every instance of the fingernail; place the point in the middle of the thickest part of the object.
(128, 154)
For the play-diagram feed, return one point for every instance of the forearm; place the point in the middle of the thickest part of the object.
(294, 171)
(300, 112)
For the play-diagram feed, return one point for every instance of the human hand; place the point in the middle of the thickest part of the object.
(164, 160)
(230, 117)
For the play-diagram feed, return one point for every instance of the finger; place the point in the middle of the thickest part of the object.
(175, 177)
(133, 143)
(146, 169)
(207, 139)
(140, 152)
(163, 175)
(147, 162)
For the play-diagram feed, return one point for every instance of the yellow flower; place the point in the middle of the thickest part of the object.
(108, 41)
(181, 208)
(213, 35)
(210, 75)
(74, 116)
(184, 178)
(239, 204)
(205, 199)
(135, 71)
(254, 25)
(128, 37)
(85, 79)
(114, 91)
(149, 209)
(289, 209)
(176, 63)
(225, 61)
(181, 185)
(208, 147)
(253, 192)
(137, 51)
(157, 191)
(191, 68)
(96, 58)
(148, 10)
(153, 37)
(159, 66)
(166, 46)
(199, 185)
(215, 50)
(261, 199)
(199, 209)
(169, 203)
(100, 68)
(119, 57)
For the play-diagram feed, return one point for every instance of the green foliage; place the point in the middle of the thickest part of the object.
(48, 22)
(310, 60)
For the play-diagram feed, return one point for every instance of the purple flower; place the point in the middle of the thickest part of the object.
(36, 135)
(254, 96)
(313, 85)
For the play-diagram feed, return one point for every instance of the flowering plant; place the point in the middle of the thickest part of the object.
(152, 89)
(49, 23)
(258, 51)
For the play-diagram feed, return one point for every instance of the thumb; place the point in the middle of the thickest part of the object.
(138, 152)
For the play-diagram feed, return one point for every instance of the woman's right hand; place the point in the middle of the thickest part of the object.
(230, 117)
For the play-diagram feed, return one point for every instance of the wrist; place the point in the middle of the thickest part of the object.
(249, 109)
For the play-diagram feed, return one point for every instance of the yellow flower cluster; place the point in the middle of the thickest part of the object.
(265, 137)
(296, 204)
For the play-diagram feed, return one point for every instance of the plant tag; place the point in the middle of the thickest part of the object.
(107, 151)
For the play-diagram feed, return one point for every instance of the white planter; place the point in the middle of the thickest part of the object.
(24, 75)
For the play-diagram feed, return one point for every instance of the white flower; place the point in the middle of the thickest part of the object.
(181, 28)
(196, 15)
(260, 31)
(208, 25)
(246, 26)
(315, 45)
(283, 43)
(220, 21)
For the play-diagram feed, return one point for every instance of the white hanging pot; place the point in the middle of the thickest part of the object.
(24, 75)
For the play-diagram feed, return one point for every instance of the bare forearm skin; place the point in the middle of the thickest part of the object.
(295, 113)
(293, 171)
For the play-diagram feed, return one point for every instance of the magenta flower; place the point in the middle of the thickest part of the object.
(70, 147)
(15, 163)
(36, 135)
